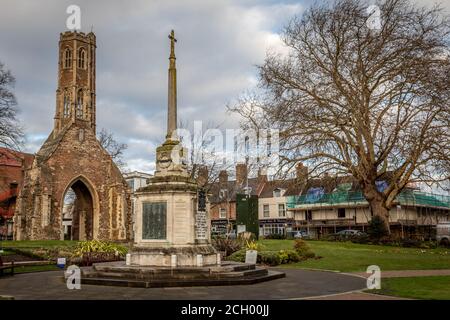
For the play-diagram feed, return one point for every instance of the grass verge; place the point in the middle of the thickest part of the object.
(352, 257)
(428, 288)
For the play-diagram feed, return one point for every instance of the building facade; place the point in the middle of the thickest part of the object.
(323, 206)
(136, 179)
(12, 167)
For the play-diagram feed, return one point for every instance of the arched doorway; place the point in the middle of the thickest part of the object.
(78, 212)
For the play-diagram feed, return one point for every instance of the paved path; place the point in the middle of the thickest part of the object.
(407, 273)
(297, 284)
(356, 296)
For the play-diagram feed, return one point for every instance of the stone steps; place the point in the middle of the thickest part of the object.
(174, 274)
(158, 283)
(230, 273)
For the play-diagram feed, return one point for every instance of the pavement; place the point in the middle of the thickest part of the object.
(296, 285)
(356, 296)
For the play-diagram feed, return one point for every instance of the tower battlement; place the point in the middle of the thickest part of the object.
(70, 35)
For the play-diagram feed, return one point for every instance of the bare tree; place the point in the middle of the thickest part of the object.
(204, 162)
(350, 99)
(10, 130)
(114, 148)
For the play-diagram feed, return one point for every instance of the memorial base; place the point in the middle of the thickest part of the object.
(229, 273)
(180, 256)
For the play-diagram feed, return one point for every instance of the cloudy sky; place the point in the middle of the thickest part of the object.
(219, 44)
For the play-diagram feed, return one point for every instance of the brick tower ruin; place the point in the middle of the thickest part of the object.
(72, 157)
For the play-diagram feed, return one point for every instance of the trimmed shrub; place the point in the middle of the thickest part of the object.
(293, 256)
(275, 236)
(238, 256)
(303, 250)
(271, 258)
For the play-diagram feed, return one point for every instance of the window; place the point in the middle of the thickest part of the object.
(131, 184)
(92, 102)
(81, 58)
(266, 212)
(341, 212)
(66, 106)
(223, 193)
(275, 228)
(281, 210)
(308, 215)
(80, 105)
(222, 213)
(67, 58)
(277, 193)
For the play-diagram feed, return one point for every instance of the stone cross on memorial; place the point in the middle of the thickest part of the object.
(172, 95)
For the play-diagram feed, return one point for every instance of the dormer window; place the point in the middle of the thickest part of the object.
(67, 58)
(81, 58)
(278, 193)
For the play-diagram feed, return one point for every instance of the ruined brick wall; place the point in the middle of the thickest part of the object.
(78, 156)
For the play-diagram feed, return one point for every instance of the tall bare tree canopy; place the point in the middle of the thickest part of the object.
(10, 131)
(352, 99)
(114, 148)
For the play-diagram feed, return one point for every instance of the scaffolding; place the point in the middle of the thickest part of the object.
(344, 197)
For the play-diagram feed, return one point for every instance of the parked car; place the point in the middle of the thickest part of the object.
(443, 233)
(300, 235)
(348, 233)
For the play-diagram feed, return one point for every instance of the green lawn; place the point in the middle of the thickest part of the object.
(352, 257)
(26, 269)
(429, 288)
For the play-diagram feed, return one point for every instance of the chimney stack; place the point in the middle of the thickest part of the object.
(223, 177)
(241, 174)
(262, 175)
(301, 172)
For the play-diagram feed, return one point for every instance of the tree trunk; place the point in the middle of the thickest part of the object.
(378, 209)
(377, 205)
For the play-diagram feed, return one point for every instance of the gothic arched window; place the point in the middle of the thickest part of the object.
(66, 106)
(80, 105)
(67, 58)
(81, 58)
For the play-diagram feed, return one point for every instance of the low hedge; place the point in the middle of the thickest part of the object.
(272, 258)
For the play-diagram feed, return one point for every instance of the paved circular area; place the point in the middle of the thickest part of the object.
(296, 284)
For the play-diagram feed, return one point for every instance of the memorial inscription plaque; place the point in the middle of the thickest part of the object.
(154, 224)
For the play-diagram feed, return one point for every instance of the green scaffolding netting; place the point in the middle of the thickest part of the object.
(342, 194)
